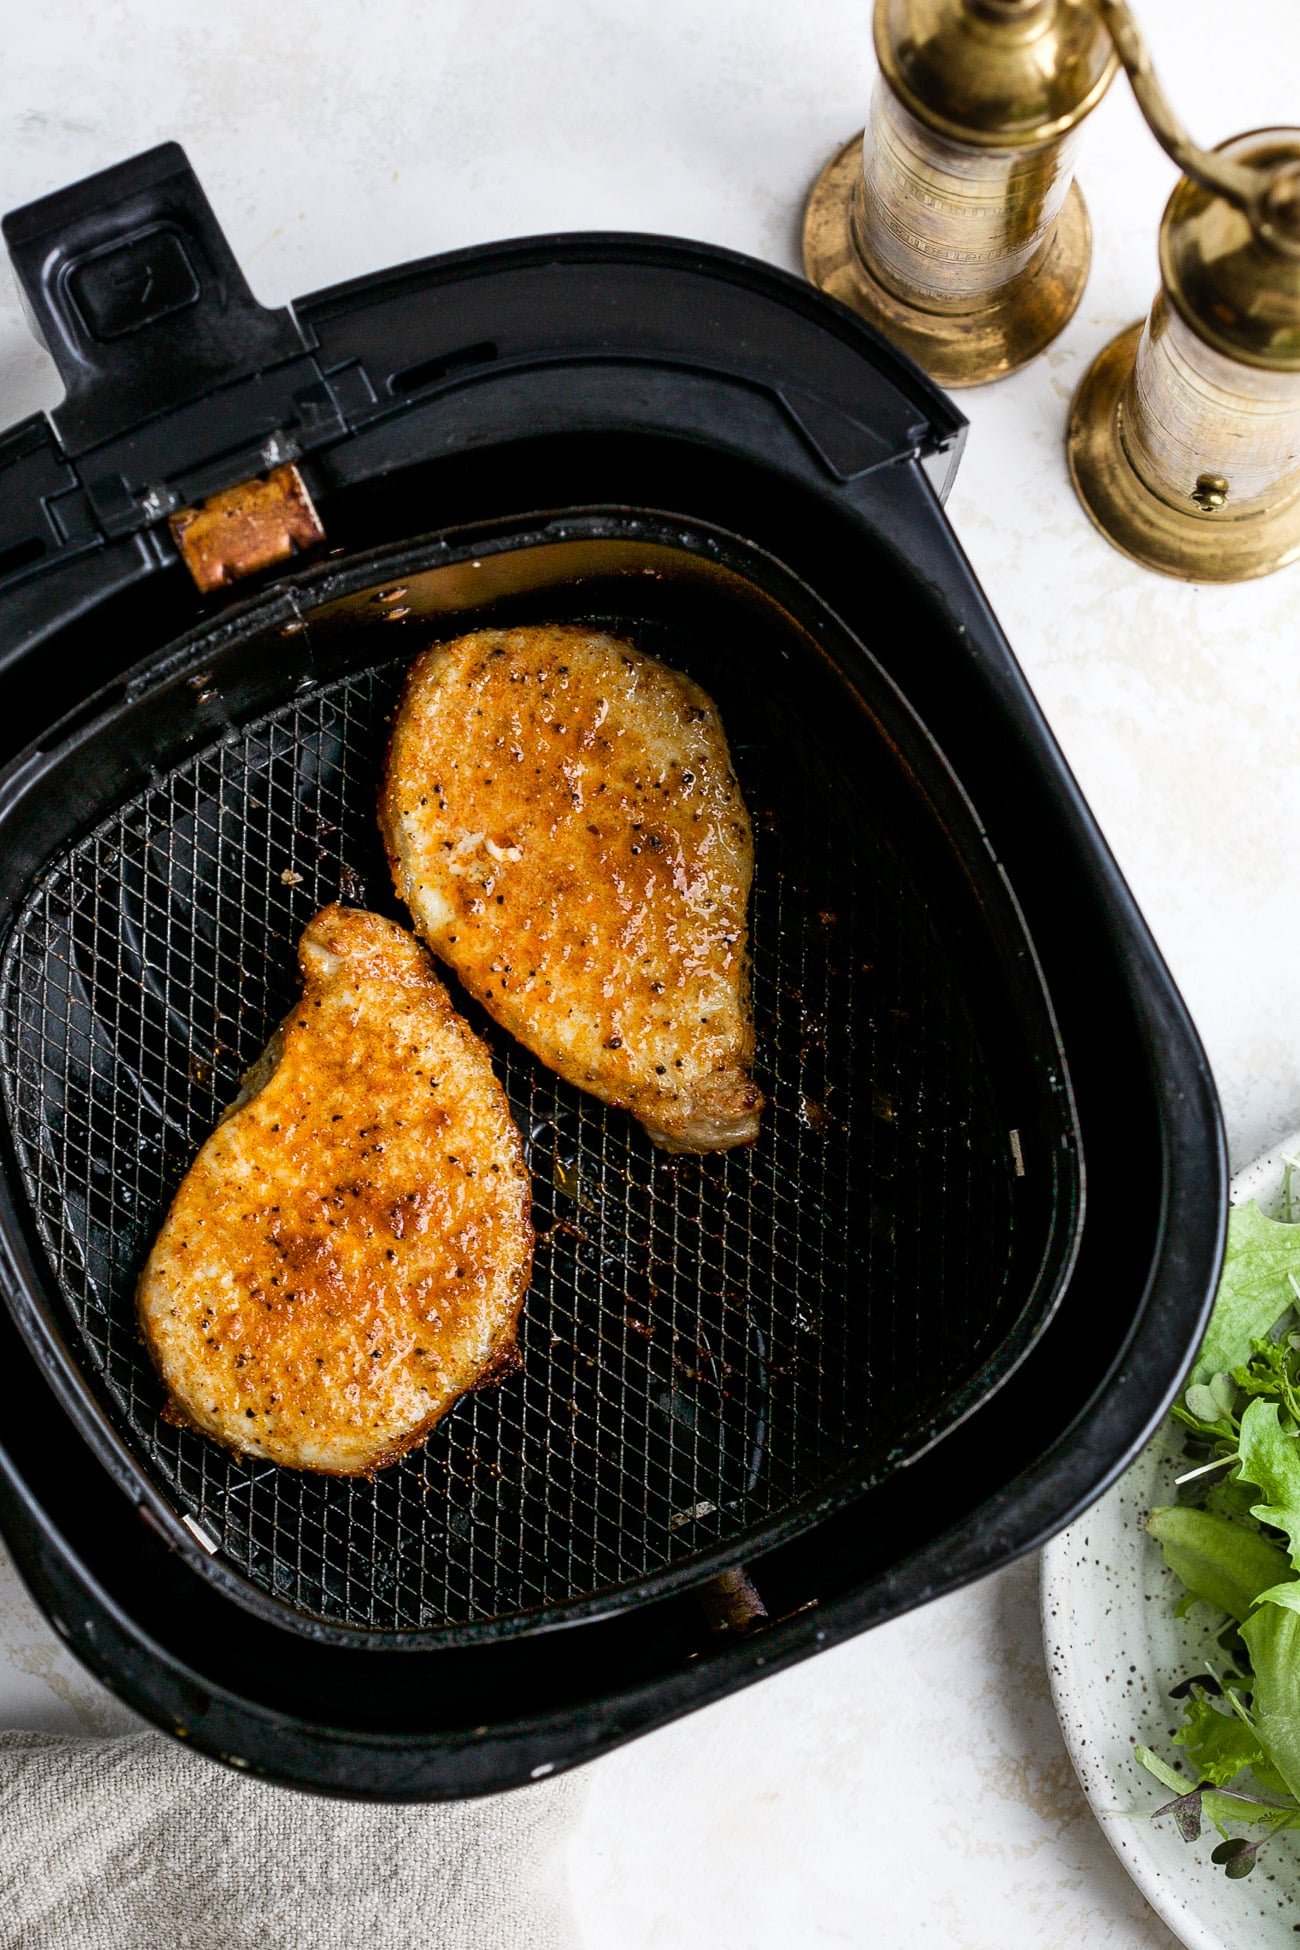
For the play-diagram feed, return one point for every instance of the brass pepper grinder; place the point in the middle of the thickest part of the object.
(954, 223)
(1184, 437)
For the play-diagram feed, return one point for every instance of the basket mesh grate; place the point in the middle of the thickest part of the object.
(706, 1341)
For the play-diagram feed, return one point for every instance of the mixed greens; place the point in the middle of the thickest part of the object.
(1233, 1542)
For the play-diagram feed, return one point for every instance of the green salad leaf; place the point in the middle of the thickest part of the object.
(1272, 1638)
(1232, 1498)
(1270, 1459)
(1232, 1540)
(1254, 1290)
(1216, 1560)
(1282, 1594)
(1219, 1743)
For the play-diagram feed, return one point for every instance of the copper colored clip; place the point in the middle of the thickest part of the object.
(246, 528)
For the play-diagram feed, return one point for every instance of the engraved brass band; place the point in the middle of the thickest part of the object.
(957, 228)
(1184, 436)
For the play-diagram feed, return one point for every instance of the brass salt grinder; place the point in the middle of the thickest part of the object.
(954, 224)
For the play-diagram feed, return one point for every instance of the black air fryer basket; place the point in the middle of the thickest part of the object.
(767, 1398)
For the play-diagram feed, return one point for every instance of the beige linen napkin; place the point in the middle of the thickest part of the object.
(136, 1843)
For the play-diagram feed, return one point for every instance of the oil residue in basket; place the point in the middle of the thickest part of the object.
(550, 1155)
(565, 1177)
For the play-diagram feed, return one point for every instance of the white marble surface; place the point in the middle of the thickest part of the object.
(912, 1787)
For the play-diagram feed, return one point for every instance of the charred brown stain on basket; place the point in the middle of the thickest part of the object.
(731, 1603)
(352, 885)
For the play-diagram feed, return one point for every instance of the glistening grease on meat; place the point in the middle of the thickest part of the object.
(564, 823)
(349, 1252)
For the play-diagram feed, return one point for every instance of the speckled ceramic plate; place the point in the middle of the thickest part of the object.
(1114, 1649)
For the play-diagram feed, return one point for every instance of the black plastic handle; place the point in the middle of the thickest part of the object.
(130, 284)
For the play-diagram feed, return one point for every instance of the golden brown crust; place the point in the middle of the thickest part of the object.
(349, 1252)
(562, 819)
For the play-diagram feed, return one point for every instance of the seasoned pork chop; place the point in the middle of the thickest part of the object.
(563, 821)
(349, 1251)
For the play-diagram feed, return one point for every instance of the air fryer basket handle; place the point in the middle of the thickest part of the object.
(129, 282)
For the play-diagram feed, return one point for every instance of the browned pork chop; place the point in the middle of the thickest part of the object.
(349, 1252)
(564, 824)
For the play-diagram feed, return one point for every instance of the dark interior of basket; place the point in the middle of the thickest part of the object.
(707, 1341)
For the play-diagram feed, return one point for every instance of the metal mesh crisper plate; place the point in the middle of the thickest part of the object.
(706, 1341)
